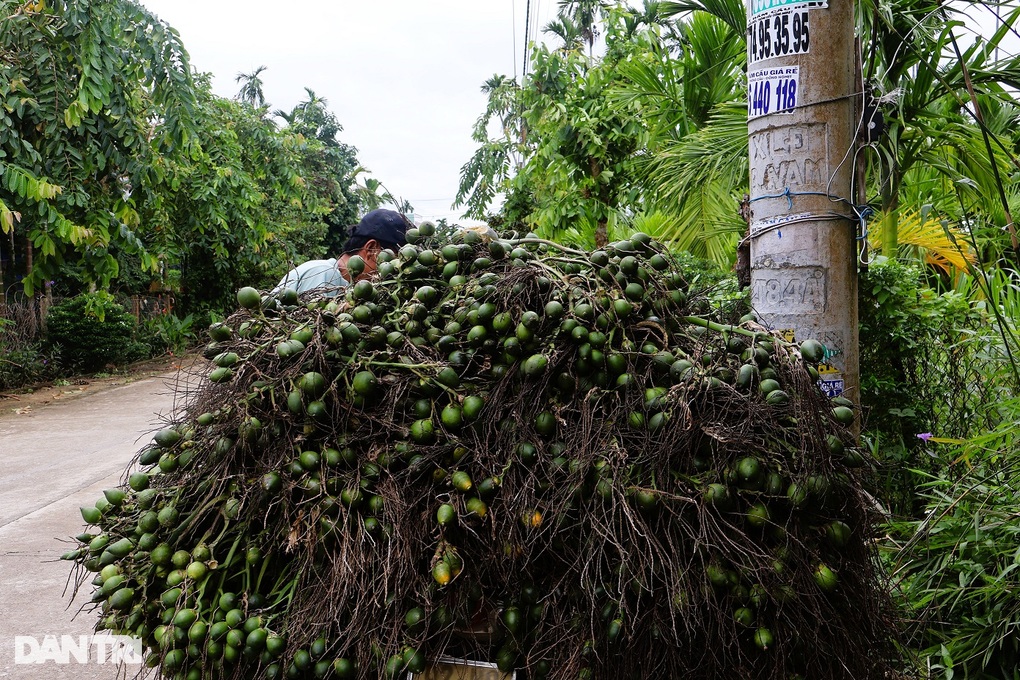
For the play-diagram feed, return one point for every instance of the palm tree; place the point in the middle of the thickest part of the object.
(917, 67)
(651, 14)
(584, 15)
(313, 118)
(729, 12)
(697, 180)
(371, 192)
(251, 88)
(566, 30)
(912, 64)
(695, 167)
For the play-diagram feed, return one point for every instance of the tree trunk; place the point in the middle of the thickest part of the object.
(44, 306)
(742, 267)
(602, 233)
(891, 208)
(890, 233)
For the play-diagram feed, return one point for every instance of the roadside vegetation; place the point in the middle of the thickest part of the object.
(124, 178)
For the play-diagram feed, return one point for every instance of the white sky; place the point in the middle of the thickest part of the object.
(402, 76)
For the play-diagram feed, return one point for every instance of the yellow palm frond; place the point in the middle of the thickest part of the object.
(942, 245)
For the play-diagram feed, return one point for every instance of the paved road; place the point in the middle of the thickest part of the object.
(53, 460)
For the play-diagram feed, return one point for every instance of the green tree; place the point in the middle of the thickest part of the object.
(373, 194)
(115, 160)
(330, 167)
(256, 199)
(584, 16)
(921, 84)
(585, 145)
(497, 158)
(232, 211)
(686, 171)
(94, 98)
(576, 146)
(688, 86)
(567, 31)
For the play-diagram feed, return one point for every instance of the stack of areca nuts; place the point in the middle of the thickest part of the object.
(571, 464)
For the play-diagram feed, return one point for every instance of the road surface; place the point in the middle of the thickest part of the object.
(54, 459)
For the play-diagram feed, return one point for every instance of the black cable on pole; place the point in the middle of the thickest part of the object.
(527, 21)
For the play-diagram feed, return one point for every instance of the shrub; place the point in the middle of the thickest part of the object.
(954, 557)
(169, 333)
(921, 364)
(956, 566)
(910, 351)
(23, 366)
(22, 363)
(90, 332)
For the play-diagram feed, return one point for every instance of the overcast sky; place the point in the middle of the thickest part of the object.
(402, 76)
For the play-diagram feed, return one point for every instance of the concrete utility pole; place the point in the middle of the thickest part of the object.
(803, 108)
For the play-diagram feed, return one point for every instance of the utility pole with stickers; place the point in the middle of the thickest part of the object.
(804, 102)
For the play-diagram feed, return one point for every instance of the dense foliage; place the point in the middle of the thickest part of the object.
(238, 209)
(939, 379)
(952, 484)
(81, 85)
(910, 347)
(575, 138)
(121, 172)
(119, 169)
(957, 565)
(91, 332)
(647, 127)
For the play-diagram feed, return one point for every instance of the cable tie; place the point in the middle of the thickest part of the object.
(864, 213)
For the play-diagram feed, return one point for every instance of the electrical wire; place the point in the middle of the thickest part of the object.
(861, 213)
(778, 227)
(536, 21)
(527, 19)
(513, 29)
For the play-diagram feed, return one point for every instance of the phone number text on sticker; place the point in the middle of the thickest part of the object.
(772, 90)
(767, 6)
(781, 34)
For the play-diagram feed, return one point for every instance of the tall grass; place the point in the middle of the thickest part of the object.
(957, 563)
